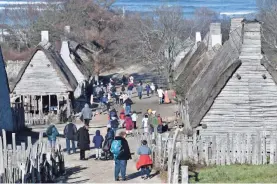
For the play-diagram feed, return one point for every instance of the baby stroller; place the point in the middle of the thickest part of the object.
(107, 154)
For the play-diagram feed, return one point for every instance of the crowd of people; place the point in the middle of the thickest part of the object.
(114, 144)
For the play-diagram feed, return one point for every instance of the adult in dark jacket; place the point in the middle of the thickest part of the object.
(139, 90)
(107, 143)
(70, 133)
(122, 158)
(128, 103)
(114, 124)
(86, 114)
(83, 141)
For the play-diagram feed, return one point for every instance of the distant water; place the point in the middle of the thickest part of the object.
(223, 7)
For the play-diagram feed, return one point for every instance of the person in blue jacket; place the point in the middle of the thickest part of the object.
(52, 134)
(98, 141)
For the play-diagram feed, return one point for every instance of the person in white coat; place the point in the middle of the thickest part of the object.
(160, 94)
(145, 124)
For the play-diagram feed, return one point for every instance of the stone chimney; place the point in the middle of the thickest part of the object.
(198, 37)
(44, 36)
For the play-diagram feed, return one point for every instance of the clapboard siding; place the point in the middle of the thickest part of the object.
(40, 78)
(247, 104)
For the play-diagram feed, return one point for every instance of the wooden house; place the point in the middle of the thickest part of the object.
(11, 119)
(229, 88)
(45, 84)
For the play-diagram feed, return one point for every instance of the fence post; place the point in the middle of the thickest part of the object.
(170, 156)
(185, 174)
(176, 167)
(1, 158)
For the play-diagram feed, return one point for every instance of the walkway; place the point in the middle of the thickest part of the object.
(92, 171)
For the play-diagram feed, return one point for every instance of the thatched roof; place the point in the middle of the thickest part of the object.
(269, 60)
(3, 64)
(205, 75)
(80, 63)
(57, 62)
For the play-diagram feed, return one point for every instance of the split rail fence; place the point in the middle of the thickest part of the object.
(171, 150)
(29, 163)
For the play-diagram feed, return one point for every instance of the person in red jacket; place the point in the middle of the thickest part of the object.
(129, 124)
(145, 162)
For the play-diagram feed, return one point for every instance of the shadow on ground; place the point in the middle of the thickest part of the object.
(71, 171)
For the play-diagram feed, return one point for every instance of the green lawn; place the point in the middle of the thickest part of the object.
(236, 174)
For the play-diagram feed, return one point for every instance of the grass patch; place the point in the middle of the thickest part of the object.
(235, 174)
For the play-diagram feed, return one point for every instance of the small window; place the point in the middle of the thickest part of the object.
(31, 65)
(264, 76)
(48, 65)
(238, 76)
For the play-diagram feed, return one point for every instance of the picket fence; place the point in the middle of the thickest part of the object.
(171, 150)
(34, 163)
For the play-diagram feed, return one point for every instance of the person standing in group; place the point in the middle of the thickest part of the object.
(145, 162)
(70, 134)
(122, 154)
(134, 119)
(86, 114)
(152, 88)
(98, 141)
(83, 141)
(160, 94)
(148, 88)
(122, 117)
(121, 96)
(145, 125)
(122, 88)
(130, 89)
(107, 143)
(139, 90)
(128, 104)
(52, 134)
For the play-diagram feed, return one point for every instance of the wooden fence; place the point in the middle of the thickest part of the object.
(29, 163)
(171, 150)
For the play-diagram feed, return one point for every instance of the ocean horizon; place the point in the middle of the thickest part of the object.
(222, 7)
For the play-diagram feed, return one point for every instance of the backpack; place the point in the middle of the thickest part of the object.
(160, 129)
(116, 148)
(49, 131)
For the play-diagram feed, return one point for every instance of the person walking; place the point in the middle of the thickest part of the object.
(130, 89)
(129, 125)
(98, 141)
(145, 124)
(114, 124)
(86, 114)
(83, 141)
(139, 90)
(52, 134)
(160, 94)
(70, 134)
(148, 89)
(128, 103)
(134, 119)
(152, 88)
(122, 154)
(145, 162)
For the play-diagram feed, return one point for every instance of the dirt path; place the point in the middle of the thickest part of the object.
(91, 171)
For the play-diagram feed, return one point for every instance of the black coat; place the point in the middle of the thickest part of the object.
(70, 131)
(83, 139)
(128, 102)
(125, 150)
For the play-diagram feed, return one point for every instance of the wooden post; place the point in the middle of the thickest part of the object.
(58, 104)
(264, 158)
(159, 155)
(185, 174)
(170, 156)
(49, 103)
(248, 147)
(272, 148)
(214, 150)
(13, 142)
(1, 158)
(29, 141)
(176, 167)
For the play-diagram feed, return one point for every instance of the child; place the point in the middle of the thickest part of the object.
(98, 140)
(129, 125)
(145, 124)
(117, 98)
(107, 144)
(134, 119)
(122, 118)
(144, 161)
(121, 96)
